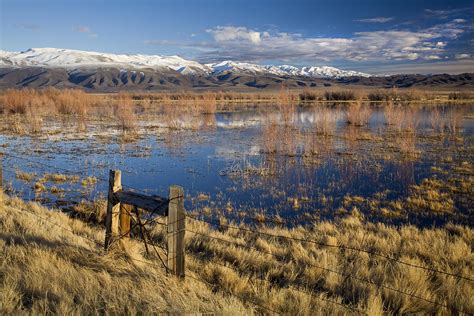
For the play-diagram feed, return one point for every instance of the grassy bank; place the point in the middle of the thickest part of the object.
(47, 268)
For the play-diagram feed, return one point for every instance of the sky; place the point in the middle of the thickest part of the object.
(379, 37)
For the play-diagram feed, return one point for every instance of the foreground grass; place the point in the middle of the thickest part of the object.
(291, 267)
(48, 269)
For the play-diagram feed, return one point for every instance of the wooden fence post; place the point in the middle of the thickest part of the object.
(113, 208)
(176, 229)
(1, 172)
(125, 218)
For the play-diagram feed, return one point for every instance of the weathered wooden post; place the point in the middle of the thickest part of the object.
(125, 219)
(113, 208)
(176, 229)
(1, 172)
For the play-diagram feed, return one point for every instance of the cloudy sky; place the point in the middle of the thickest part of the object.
(373, 36)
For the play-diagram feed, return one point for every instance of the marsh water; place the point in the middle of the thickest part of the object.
(249, 164)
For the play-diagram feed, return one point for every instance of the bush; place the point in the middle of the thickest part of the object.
(343, 95)
(460, 96)
(308, 96)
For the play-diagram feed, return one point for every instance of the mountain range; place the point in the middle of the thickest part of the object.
(66, 68)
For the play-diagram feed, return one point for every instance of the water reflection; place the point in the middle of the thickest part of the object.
(288, 163)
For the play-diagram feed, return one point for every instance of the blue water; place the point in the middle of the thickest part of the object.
(212, 162)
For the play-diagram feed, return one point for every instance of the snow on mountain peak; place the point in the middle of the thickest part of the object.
(76, 59)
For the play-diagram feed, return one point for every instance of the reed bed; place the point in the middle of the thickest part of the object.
(125, 113)
(358, 114)
(287, 106)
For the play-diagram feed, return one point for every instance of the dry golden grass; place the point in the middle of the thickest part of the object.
(358, 114)
(124, 113)
(270, 138)
(207, 104)
(290, 264)
(24, 176)
(340, 95)
(46, 269)
(287, 106)
(35, 112)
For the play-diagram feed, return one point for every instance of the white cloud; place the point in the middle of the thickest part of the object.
(245, 44)
(230, 33)
(379, 19)
(432, 57)
(462, 56)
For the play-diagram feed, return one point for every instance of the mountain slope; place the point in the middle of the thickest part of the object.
(68, 58)
(64, 68)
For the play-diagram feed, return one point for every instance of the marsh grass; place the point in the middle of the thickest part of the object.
(402, 118)
(207, 104)
(287, 106)
(59, 178)
(172, 116)
(270, 137)
(461, 96)
(454, 118)
(341, 95)
(406, 143)
(398, 95)
(325, 120)
(124, 113)
(25, 176)
(358, 114)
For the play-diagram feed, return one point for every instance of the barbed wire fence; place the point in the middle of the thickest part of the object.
(147, 238)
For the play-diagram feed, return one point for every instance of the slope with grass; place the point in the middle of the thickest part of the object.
(47, 268)
(56, 265)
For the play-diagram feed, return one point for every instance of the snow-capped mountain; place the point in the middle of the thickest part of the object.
(283, 70)
(76, 59)
(69, 58)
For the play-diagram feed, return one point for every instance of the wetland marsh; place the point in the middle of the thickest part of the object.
(279, 163)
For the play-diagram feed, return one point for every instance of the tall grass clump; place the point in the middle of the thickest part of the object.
(454, 119)
(270, 137)
(342, 95)
(124, 113)
(394, 116)
(325, 120)
(287, 106)
(461, 96)
(172, 116)
(358, 114)
(397, 95)
(308, 95)
(207, 103)
(15, 101)
(437, 120)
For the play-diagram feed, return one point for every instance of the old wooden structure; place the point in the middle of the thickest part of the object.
(119, 211)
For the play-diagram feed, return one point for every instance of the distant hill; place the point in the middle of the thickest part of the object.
(63, 68)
